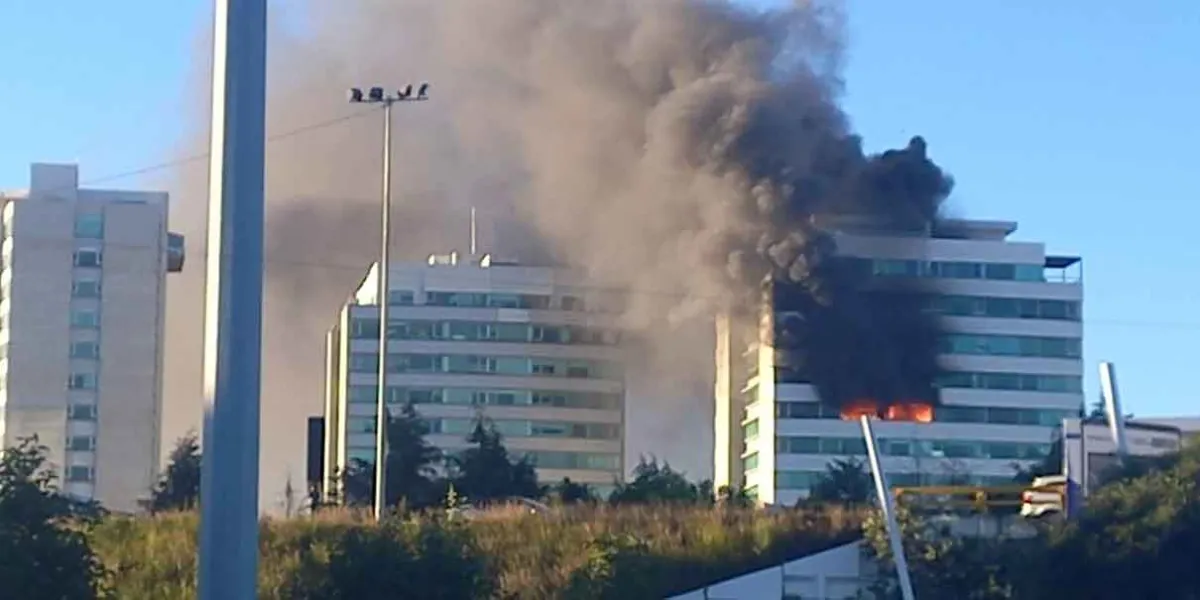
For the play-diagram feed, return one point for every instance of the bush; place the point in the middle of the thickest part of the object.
(573, 552)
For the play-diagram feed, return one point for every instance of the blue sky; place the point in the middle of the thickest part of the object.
(1075, 118)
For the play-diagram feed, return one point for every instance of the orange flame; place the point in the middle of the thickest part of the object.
(916, 411)
(854, 410)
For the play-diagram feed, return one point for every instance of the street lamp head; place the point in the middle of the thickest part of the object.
(356, 95)
(405, 92)
(423, 91)
(376, 94)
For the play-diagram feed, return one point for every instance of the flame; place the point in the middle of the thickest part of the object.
(913, 410)
(854, 410)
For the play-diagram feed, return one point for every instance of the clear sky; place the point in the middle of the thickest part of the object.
(1076, 119)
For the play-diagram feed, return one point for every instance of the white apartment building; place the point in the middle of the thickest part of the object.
(1011, 351)
(529, 348)
(81, 330)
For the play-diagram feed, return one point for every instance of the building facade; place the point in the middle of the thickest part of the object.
(83, 282)
(528, 348)
(1011, 351)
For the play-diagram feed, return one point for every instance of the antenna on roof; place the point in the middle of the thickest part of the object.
(474, 234)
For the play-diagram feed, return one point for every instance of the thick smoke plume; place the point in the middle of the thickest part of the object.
(683, 149)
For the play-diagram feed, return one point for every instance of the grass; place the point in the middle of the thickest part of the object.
(592, 552)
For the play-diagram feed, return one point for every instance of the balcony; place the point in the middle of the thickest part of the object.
(1063, 269)
(175, 252)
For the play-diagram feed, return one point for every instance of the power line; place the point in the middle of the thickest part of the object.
(183, 160)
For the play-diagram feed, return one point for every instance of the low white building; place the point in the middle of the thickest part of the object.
(841, 573)
(530, 348)
(83, 286)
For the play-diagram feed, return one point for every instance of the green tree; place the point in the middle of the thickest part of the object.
(44, 551)
(356, 483)
(486, 472)
(941, 566)
(412, 479)
(570, 492)
(411, 459)
(844, 481)
(653, 483)
(179, 486)
(1136, 538)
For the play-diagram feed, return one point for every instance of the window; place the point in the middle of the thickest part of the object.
(81, 443)
(361, 394)
(79, 474)
(750, 462)
(360, 425)
(85, 318)
(89, 225)
(797, 480)
(85, 289)
(81, 412)
(574, 303)
(87, 257)
(85, 349)
(750, 430)
(1010, 345)
(400, 298)
(364, 363)
(363, 328)
(82, 381)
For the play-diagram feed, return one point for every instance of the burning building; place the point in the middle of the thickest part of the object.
(966, 343)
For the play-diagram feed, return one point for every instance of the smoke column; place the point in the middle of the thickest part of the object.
(678, 148)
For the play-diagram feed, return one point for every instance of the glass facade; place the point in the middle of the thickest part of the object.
(953, 269)
(516, 428)
(922, 448)
(1024, 382)
(487, 300)
(804, 480)
(942, 414)
(1006, 308)
(472, 364)
(483, 331)
(1011, 345)
(487, 397)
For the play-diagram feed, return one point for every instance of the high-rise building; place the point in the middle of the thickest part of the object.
(528, 348)
(1010, 348)
(83, 282)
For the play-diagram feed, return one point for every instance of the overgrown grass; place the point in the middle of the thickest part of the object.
(601, 552)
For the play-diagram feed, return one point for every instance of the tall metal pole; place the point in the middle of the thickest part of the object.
(888, 508)
(1112, 408)
(233, 304)
(385, 260)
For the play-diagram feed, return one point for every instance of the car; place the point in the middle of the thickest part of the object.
(1045, 497)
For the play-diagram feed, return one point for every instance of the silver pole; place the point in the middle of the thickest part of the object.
(888, 509)
(1112, 406)
(233, 304)
(385, 261)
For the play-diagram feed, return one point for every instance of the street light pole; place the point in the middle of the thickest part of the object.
(376, 95)
(228, 558)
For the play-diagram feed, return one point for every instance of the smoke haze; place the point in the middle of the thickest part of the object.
(679, 148)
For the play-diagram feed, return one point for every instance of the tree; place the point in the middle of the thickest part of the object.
(179, 486)
(44, 551)
(356, 483)
(570, 492)
(845, 482)
(486, 472)
(660, 484)
(411, 475)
